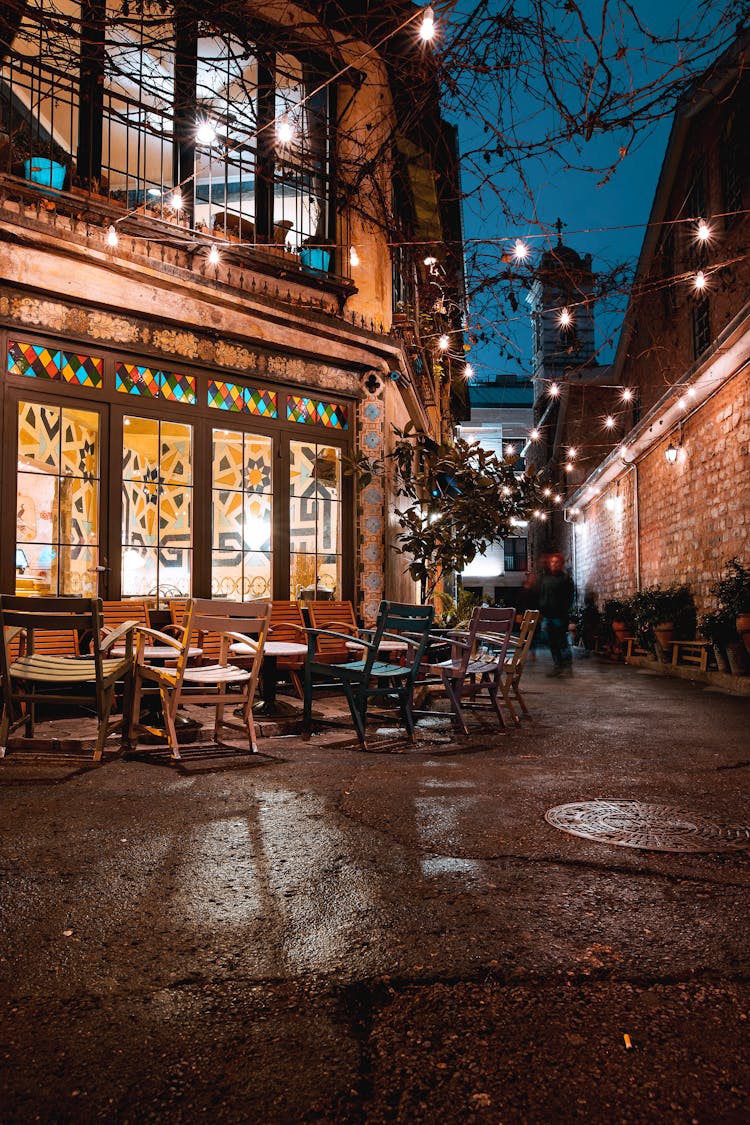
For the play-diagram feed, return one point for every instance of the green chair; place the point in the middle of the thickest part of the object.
(403, 629)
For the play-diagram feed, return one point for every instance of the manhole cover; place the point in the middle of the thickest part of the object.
(658, 828)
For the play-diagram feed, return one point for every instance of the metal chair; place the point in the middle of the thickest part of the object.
(180, 683)
(40, 676)
(372, 678)
(477, 663)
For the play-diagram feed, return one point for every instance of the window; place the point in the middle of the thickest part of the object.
(157, 504)
(242, 496)
(137, 100)
(314, 520)
(515, 554)
(701, 326)
(57, 503)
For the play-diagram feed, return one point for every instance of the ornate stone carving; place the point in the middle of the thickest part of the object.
(184, 344)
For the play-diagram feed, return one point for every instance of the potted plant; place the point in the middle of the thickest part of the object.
(663, 615)
(618, 616)
(315, 253)
(733, 594)
(719, 629)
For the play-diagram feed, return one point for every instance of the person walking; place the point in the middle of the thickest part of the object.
(555, 600)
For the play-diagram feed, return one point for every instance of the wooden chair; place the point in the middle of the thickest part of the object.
(477, 663)
(38, 675)
(515, 662)
(181, 683)
(288, 624)
(336, 616)
(372, 678)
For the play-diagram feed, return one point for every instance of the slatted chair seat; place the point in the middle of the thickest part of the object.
(372, 678)
(180, 683)
(39, 673)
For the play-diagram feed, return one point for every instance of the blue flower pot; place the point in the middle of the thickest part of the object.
(312, 258)
(48, 173)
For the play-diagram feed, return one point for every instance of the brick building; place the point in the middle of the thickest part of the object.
(207, 220)
(668, 498)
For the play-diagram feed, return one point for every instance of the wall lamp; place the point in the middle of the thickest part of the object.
(671, 453)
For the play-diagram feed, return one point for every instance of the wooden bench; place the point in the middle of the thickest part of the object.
(634, 649)
(694, 653)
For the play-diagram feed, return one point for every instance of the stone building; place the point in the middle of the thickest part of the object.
(207, 221)
(670, 502)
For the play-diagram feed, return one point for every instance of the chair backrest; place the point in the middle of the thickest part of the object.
(518, 652)
(286, 613)
(212, 619)
(490, 628)
(338, 616)
(52, 626)
(115, 614)
(411, 622)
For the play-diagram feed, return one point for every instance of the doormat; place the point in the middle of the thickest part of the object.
(656, 828)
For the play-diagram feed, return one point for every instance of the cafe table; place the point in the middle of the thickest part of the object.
(268, 706)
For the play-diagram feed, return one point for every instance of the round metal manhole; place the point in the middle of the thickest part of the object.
(658, 828)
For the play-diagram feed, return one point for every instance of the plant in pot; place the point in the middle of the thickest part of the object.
(618, 616)
(316, 253)
(733, 594)
(719, 629)
(664, 614)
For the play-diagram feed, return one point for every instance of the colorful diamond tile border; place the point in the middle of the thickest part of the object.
(247, 400)
(82, 370)
(133, 379)
(179, 388)
(311, 411)
(35, 360)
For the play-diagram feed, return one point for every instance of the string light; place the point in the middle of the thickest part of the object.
(572, 451)
(112, 239)
(510, 450)
(557, 498)
(703, 232)
(430, 261)
(534, 434)
(284, 131)
(609, 422)
(353, 257)
(506, 490)
(546, 492)
(214, 257)
(699, 281)
(176, 201)
(565, 318)
(427, 27)
(569, 467)
(444, 343)
(554, 390)
(520, 250)
(627, 394)
(205, 133)
(469, 371)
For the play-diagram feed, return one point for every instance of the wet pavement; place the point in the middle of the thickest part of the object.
(336, 936)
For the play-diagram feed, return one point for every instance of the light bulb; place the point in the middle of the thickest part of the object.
(557, 498)
(430, 261)
(703, 231)
(353, 257)
(444, 343)
(205, 134)
(700, 281)
(572, 452)
(609, 422)
(670, 453)
(112, 239)
(547, 492)
(534, 435)
(176, 201)
(520, 251)
(468, 371)
(284, 131)
(510, 450)
(565, 318)
(627, 394)
(427, 27)
(554, 390)
(214, 257)
(569, 467)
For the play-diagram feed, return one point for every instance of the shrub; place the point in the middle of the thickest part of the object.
(657, 605)
(733, 588)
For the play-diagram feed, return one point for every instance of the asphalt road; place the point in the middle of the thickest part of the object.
(337, 936)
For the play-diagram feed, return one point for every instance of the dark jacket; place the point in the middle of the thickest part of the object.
(556, 596)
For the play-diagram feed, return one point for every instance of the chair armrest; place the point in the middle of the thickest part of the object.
(340, 636)
(112, 635)
(163, 638)
(284, 625)
(242, 638)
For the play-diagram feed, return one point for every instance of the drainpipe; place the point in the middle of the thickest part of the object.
(637, 528)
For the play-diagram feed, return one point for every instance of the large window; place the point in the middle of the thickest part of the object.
(157, 503)
(314, 520)
(242, 497)
(57, 502)
(135, 101)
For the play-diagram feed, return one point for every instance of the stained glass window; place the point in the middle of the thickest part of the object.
(57, 505)
(157, 505)
(135, 379)
(245, 400)
(241, 547)
(334, 415)
(40, 362)
(314, 519)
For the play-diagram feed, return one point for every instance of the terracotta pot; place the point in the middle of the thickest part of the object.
(742, 625)
(736, 658)
(720, 657)
(664, 633)
(620, 630)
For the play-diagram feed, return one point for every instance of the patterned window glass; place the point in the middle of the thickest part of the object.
(57, 504)
(147, 382)
(242, 507)
(244, 400)
(314, 520)
(40, 362)
(314, 411)
(157, 503)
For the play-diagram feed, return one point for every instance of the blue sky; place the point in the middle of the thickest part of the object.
(606, 220)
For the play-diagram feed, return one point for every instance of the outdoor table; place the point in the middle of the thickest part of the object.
(162, 652)
(384, 646)
(268, 706)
